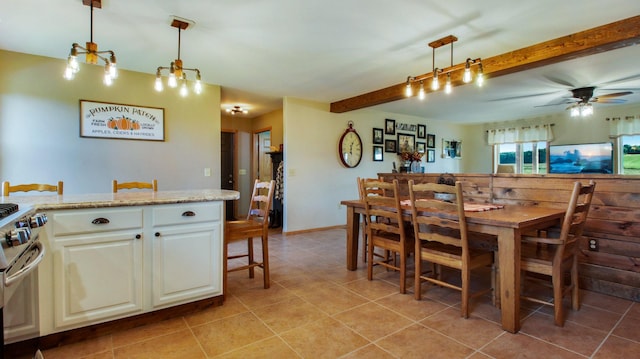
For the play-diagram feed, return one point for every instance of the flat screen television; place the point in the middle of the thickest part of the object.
(581, 158)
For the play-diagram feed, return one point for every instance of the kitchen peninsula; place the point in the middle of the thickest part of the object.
(118, 255)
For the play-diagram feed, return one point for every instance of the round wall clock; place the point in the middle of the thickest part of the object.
(350, 147)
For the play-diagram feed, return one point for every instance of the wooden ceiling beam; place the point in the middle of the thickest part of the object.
(600, 39)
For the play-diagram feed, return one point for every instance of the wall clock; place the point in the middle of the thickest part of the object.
(350, 147)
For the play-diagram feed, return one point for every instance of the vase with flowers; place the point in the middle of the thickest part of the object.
(413, 159)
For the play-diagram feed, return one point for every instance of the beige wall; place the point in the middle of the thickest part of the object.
(39, 129)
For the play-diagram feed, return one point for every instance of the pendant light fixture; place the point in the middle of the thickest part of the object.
(177, 73)
(434, 75)
(237, 109)
(92, 53)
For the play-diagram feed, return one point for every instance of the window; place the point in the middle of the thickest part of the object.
(526, 157)
(630, 160)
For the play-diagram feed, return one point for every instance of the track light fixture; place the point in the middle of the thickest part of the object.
(177, 73)
(91, 53)
(434, 75)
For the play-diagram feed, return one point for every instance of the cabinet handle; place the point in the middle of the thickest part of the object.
(138, 236)
(157, 234)
(188, 214)
(100, 220)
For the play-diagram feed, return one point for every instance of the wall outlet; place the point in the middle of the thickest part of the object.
(593, 245)
(207, 172)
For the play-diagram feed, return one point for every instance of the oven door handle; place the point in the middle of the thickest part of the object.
(8, 280)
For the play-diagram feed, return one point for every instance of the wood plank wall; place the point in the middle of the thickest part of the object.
(613, 223)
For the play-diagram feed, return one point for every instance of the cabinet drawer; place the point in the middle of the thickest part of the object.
(187, 213)
(93, 221)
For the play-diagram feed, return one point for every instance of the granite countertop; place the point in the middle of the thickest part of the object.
(120, 199)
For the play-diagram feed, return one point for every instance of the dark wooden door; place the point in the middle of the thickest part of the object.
(227, 179)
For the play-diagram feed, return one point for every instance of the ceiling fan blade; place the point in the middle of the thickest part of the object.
(621, 80)
(559, 81)
(565, 102)
(617, 94)
(599, 100)
(524, 96)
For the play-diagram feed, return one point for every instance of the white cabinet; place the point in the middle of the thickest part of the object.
(111, 263)
(187, 247)
(97, 264)
(20, 311)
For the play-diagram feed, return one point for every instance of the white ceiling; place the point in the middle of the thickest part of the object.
(259, 51)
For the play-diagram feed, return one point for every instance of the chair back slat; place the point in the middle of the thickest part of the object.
(261, 200)
(436, 220)
(116, 186)
(7, 188)
(577, 210)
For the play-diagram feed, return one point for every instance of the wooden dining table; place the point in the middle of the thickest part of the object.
(507, 224)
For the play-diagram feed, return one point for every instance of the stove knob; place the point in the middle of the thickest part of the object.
(38, 220)
(18, 236)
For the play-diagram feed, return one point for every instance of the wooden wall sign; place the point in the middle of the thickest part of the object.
(111, 120)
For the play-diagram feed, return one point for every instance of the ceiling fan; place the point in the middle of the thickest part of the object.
(584, 95)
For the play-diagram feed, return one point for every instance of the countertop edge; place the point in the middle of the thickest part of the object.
(121, 199)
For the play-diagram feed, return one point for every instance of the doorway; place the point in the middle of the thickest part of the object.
(262, 147)
(227, 169)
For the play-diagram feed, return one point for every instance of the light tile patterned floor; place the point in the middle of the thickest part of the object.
(315, 308)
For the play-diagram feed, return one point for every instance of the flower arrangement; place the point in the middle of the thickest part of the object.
(411, 156)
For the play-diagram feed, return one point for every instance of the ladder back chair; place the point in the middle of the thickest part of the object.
(373, 192)
(255, 225)
(7, 188)
(442, 238)
(556, 252)
(135, 185)
(385, 228)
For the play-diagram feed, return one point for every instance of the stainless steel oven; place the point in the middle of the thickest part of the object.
(21, 250)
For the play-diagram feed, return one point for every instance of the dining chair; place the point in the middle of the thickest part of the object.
(385, 228)
(363, 225)
(135, 185)
(555, 252)
(8, 188)
(442, 239)
(255, 225)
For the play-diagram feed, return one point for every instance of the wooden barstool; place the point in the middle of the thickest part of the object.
(255, 225)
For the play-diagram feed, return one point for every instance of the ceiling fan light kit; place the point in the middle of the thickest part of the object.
(237, 109)
(91, 53)
(176, 71)
(467, 75)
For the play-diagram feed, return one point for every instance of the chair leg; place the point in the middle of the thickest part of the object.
(364, 243)
(370, 261)
(466, 279)
(224, 269)
(575, 292)
(495, 280)
(417, 285)
(403, 271)
(265, 262)
(250, 256)
(556, 279)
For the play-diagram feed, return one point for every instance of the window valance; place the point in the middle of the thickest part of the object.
(629, 125)
(536, 133)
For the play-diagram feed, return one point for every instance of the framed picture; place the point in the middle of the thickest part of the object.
(389, 127)
(431, 141)
(420, 147)
(390, 146)
(422, 129)
(377, 136)
(451, 149)
(119, 121)
(406, 142)
(377, 153)
(431, 155)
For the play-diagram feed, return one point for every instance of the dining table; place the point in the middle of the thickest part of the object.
(506, 222)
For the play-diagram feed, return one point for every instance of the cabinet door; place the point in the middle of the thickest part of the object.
(186, 263)
(97, 277)
(21, 312)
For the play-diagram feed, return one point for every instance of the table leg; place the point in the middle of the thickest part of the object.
(509, 259)
(353, 232)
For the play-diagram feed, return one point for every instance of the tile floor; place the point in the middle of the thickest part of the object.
(315, 308)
